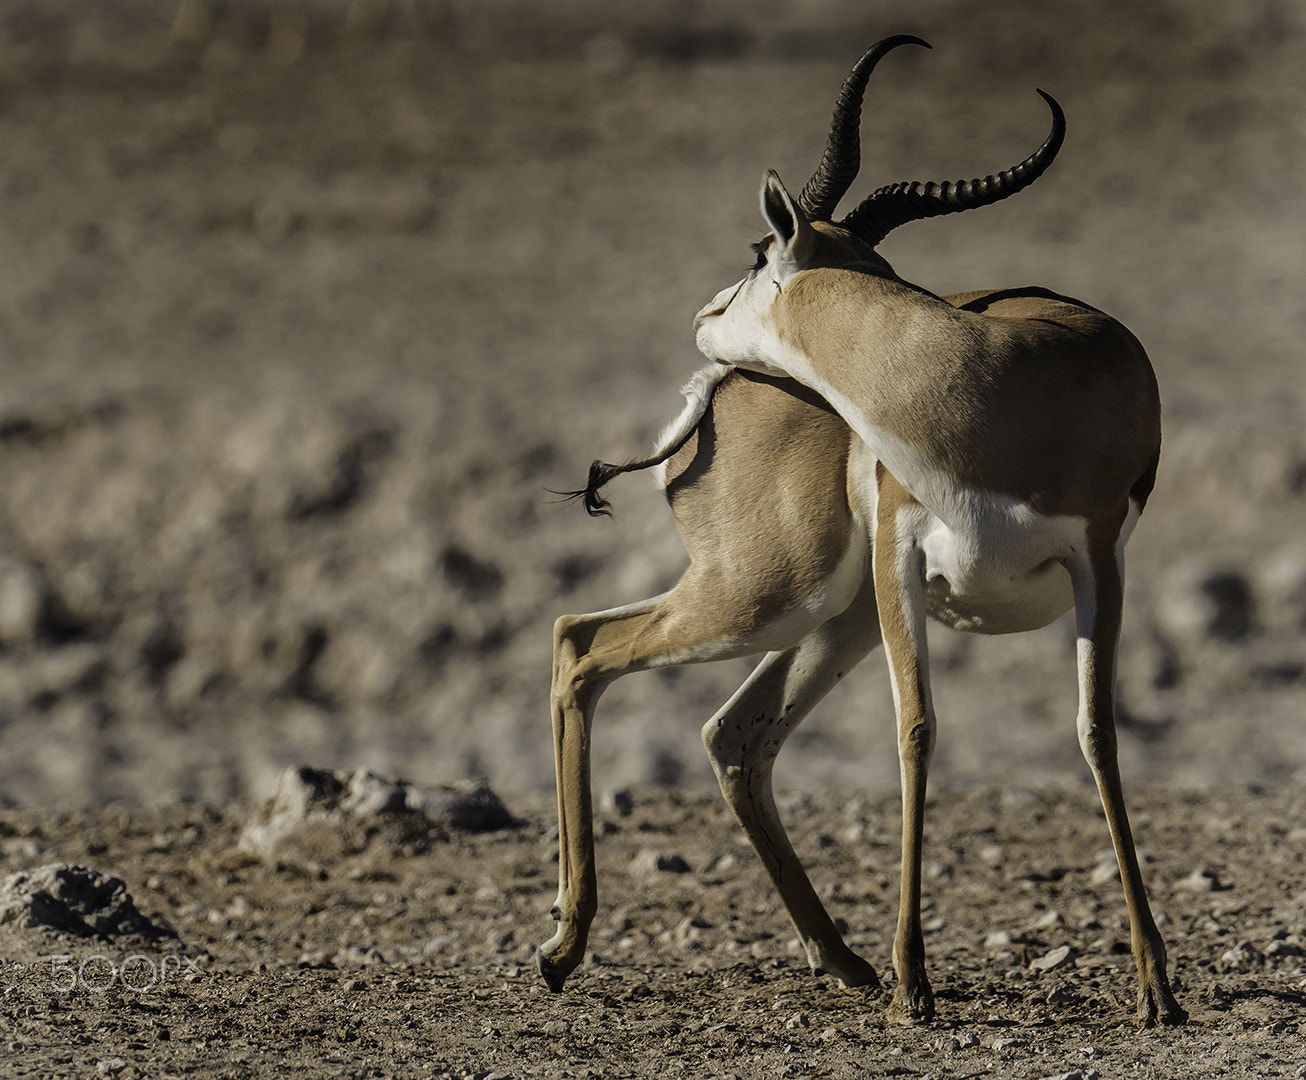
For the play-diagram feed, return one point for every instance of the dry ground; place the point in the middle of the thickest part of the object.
(299, 318)
(386, 963)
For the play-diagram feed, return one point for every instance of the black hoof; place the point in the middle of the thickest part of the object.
(553, 978)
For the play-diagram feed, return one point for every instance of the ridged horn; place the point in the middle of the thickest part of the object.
(884, 210)
(843, 151)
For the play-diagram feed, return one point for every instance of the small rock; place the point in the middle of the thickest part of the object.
(649, 862)
(1200, 880)
(1047, 920)
(1061, 994)
(725, 864)
(1104, 873)
(468, 806)
(620, 802)
(946, 1045)
(322, 813)
(367, 794)
(1283, 948)
(691, 928)
(556, 1027)
(1208, 603)
(110, 1066)
(1057, 958)
(1242, 955)
(999, 939)
(22, 601)
(798, 1020)
(1007, 1042)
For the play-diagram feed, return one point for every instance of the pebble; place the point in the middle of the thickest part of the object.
(1058, 957)
(649, 862)
(1241, 955)
(556, 1027)
(1203, 602)
(999, 939)
(1200, 880)
(1104, 873)
(798, 1020)
(1283, 948)
(1061, 994)
(110, 1066)
(619, 801)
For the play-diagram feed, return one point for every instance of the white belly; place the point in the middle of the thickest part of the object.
(991, 565)
(1005, 591)
(995, 567)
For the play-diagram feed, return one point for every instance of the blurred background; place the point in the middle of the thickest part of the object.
(304, 306)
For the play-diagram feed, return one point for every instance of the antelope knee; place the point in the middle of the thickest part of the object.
(1097, 739)
(917, 739)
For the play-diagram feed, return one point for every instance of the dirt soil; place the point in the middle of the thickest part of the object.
(394, 962)
(306, 305)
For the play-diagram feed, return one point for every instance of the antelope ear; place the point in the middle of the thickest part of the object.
(782, 214)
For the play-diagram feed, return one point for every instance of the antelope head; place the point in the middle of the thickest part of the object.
(736, 326)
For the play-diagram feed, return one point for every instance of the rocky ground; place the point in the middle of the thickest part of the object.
(344, 936)
(307, 304)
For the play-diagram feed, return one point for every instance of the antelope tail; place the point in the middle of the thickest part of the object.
(698, 396)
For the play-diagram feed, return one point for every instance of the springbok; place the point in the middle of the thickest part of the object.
(860, 454)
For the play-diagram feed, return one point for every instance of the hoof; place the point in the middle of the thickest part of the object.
(1168, 1014)
(553, 977)
(859, 976)
(909, 1010)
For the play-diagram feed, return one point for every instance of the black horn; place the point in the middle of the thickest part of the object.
(843, 152)
(884, 210)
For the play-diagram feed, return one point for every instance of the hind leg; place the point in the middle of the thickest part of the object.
(1098, 579)
(742, 741)
(589, 653)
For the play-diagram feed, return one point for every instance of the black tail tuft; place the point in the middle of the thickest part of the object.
(601, 472)
(595, 504)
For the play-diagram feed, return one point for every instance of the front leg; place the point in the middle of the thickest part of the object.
(900, 590)
(1098, 579)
